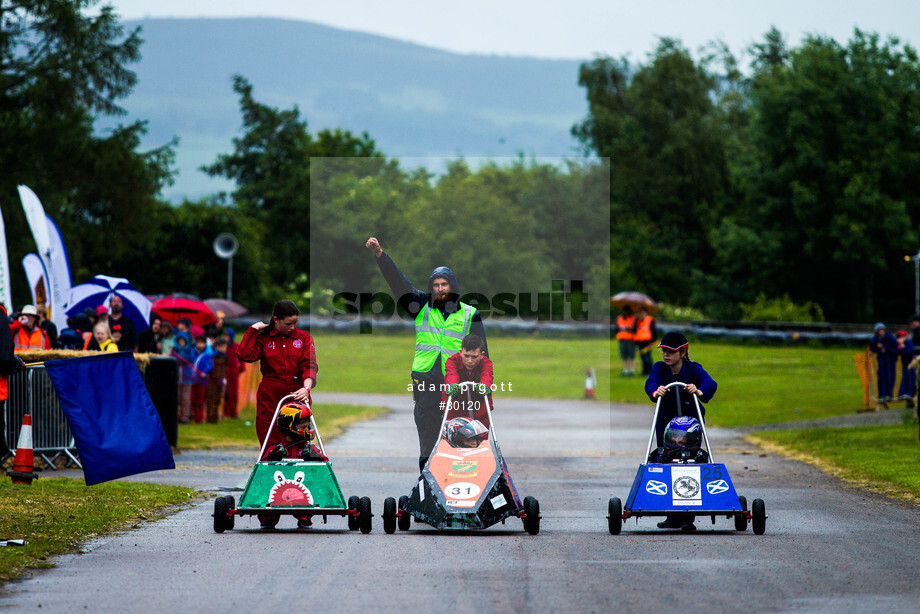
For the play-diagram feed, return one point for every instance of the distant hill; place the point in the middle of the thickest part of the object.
(413, 101)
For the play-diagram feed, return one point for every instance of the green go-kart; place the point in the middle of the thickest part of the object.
(302, 487)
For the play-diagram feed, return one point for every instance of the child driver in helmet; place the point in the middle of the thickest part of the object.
(296, 443)
(683, 440)
(297, 436)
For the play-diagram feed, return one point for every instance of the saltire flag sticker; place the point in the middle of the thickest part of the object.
(115, 425)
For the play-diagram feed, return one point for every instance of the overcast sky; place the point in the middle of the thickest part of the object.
(575, 29)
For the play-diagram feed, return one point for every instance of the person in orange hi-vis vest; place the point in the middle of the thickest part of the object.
(626, 333)
(645, 333)
(27, 334)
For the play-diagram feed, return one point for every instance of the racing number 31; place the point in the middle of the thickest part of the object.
(711, 473)
(463, 490)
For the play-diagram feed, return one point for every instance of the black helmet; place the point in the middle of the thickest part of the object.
(465, 433)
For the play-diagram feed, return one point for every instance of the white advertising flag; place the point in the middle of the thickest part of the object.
(35, 275)
(59, 274)
(5, 296)
(52, 254)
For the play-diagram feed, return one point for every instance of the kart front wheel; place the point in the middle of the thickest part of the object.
(741, 520)
(531, 515)
(614, 515)
(758, 516)
(405, 518)
(389, 515)
(352, 518)
(221, 520)
(364, 514)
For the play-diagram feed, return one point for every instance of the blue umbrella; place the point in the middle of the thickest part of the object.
(99, 291)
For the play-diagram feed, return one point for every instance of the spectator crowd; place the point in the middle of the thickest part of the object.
(208, 358)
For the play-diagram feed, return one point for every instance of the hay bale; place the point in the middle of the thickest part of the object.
(39, 356)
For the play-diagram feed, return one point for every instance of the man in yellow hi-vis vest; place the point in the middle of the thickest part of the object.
(441, 323)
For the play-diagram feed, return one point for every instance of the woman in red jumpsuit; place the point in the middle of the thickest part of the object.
(288, 364)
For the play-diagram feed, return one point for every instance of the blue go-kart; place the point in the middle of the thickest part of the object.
(685, 490)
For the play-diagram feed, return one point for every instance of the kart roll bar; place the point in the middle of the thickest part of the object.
(699, 413)
(467, 387)
(319, 439)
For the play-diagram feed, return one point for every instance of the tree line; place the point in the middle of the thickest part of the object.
(792, 180)
(711, 182)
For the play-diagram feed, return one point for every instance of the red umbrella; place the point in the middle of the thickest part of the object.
(172, 307)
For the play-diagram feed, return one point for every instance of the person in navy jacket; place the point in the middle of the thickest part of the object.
(885, 348)
(908, 376)
(676, 366)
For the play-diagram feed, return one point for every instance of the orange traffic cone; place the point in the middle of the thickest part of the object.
(23, 471)
(589, 384)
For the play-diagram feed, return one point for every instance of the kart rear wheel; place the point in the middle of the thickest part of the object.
(532, 515)
(221, 521)
(758, 516)
(389, 515)
(614, 515)
(352, 519)
(364, 514)
(231, 519)
(741, 520)
(405, 519)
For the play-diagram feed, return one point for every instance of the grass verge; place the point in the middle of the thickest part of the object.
(56, 515)
(757, 384)
(880, 458)
(331, 420)
(767, 384)
(532, 367)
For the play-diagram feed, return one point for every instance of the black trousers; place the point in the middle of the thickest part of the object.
(428, 423)
(4, 448)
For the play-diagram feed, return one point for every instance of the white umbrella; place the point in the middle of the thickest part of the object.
(99, 291)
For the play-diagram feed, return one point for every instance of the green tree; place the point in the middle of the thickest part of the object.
(832, 207)
(177, 255)
(660, 128)
(503, 229)
(271, 167)
(59, 71)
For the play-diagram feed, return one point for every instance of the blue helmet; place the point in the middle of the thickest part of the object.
(683, 432)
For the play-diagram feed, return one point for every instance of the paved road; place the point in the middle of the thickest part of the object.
(827, 548)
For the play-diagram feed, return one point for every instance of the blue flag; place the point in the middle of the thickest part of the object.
(115, 424)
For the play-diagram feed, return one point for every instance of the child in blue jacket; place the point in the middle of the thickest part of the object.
(676, 366)
(201, 369)
(184, 353)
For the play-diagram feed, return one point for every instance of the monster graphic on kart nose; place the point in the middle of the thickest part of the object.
(289, 492)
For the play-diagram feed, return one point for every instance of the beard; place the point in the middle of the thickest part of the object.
(444, 299)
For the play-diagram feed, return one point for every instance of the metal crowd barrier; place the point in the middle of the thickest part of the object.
(31, 392)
